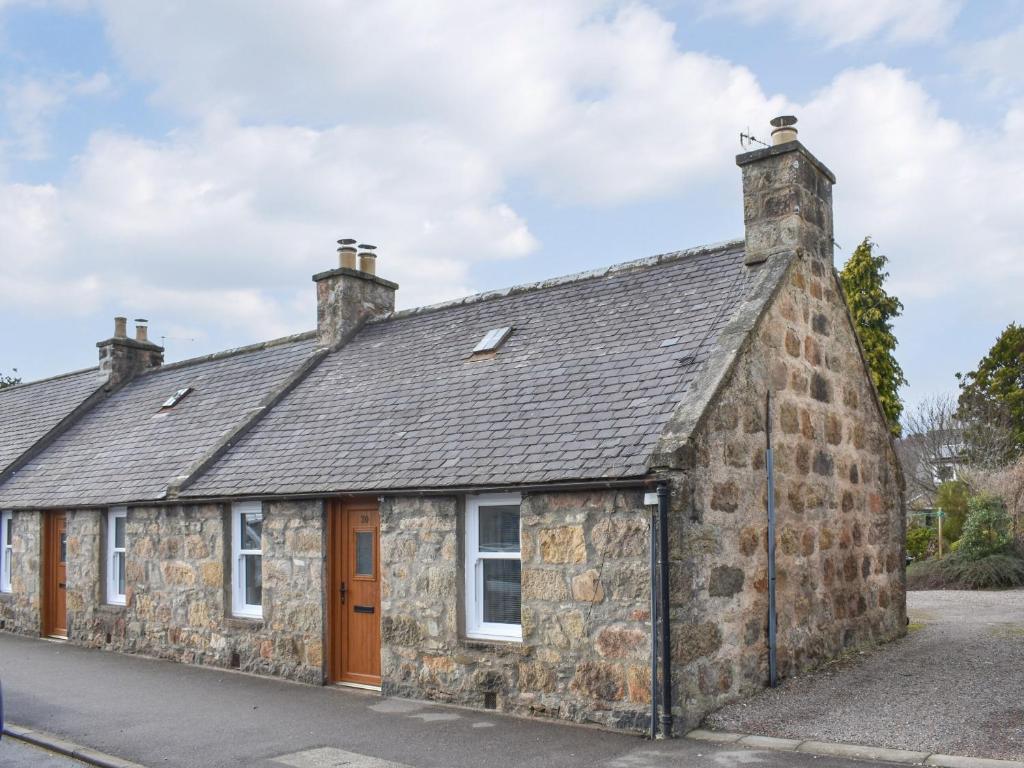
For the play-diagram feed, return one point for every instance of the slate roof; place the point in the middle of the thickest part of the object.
(29, 411)
(581, 390)
(127, 449)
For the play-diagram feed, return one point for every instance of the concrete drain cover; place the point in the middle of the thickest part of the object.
(329, 757)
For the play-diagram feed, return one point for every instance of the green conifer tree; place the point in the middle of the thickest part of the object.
(873, 310)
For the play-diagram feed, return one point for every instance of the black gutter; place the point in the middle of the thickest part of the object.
(773, 674)
(666, 633)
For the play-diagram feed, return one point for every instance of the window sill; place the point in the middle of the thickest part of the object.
(507, 647)
(244, 622)
(4, 596)
(112, 609)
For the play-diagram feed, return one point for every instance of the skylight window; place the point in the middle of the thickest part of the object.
(494, 339)
(176, 398)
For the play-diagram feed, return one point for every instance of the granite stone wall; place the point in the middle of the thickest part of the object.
(838, 496)
(178, 592)
(585, 654)
(20, 608)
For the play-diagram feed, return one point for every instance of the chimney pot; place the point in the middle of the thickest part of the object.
(783, 129)
(141, 329)
(367, 259)
(120, 327)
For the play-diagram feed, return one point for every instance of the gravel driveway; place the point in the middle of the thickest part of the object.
(955, 685)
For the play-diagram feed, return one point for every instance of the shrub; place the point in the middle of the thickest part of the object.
(999, 571)
(953, 499)
(920, 542)
(987, 529)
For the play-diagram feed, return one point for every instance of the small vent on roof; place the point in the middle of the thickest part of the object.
(176, 398)
(494, 339)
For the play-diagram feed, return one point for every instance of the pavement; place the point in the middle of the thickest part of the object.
(17, 754)
(954, 685)
(159, 713)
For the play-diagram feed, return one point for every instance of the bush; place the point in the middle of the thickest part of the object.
(953, 498)
(998, 571)
(921, 541)
(986, 531)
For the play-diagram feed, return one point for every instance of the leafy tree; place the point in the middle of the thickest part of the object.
(953, 498)
(873, 310)
(991, 402)
(9, 381)
(987, 530)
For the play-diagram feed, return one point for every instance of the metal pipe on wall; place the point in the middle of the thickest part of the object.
(773, 675)
(663, 594)
(654, 622)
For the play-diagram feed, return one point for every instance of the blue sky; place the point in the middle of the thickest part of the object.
(193, 163)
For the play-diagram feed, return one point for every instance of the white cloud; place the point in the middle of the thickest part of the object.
(406, 122)
(224, 225)
(588, 100)
(1000, 60)
(840, 22)
(29, 105)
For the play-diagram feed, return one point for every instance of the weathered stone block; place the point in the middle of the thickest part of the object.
(564, 544)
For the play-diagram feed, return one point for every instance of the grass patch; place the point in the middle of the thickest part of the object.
(1000, 571)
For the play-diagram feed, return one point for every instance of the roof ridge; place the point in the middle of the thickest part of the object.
(224, 353)
(646, 262)
(69, 374)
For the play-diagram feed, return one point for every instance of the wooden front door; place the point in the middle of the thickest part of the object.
(353, 596)
(55, 575)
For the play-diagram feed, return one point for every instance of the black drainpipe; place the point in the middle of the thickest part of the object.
(773, 674)
(654, 621)
(666, 633)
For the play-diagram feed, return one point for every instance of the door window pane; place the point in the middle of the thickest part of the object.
(252, 531)
(119, 532)
(10, 525)
(63, 547)
(364, 553)
(253, 579)
(499, 528)
(502, 603)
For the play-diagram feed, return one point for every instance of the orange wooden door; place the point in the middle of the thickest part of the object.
(354, 592)
(55, 575)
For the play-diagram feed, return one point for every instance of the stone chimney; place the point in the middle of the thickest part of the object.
(787, 198)
(347, 295)
(122, 358)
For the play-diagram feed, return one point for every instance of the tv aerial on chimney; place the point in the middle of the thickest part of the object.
(747, 140)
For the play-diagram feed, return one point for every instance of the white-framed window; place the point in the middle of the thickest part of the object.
(493, 567)
(247, 559)
(6, 550)
(117, 553)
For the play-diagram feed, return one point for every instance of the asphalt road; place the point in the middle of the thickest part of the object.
(953, 685)
(164, 714)
(17, 754)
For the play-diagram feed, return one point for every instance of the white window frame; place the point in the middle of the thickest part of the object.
(476, 627)
(239, 607)
(6, 552)
(114, 595)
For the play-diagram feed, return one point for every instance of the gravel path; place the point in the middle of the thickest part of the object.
(955, 684)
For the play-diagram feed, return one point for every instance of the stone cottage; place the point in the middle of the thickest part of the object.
(455, 502)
